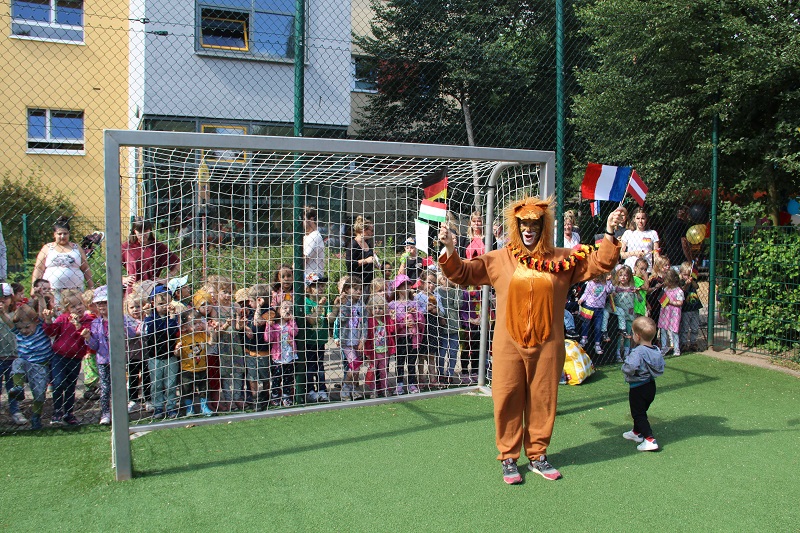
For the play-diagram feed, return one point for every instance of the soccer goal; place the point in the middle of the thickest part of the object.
(233, 211)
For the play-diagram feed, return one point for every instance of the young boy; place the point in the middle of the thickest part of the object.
(352, 333)
(257, 346)
(319, 316)
(159, 332)
(410, 261)
(8, 352)
(181, 294)
(641, 368)
(192, 349)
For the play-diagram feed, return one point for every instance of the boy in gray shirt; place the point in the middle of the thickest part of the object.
(641, 368)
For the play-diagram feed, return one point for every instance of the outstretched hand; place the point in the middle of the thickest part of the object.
(615, 220)
(447, 239)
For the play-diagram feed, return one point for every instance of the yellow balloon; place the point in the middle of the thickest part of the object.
(696, 234)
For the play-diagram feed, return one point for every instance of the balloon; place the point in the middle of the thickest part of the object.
(698, 213)
(696, 234)
(793, 207)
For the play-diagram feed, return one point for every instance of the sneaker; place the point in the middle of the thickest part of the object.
(571, 334)
(55, 420)
(357, 394)
(666, 350)
(583, 342)
(648, 445)
(36, 422)
(71, 420)
(16, 393)
(158, 414)
(105, 420)
(543, 468)
(19, 419)
(287, 402)
(312, 396)
(605, 338)
(204, 408)
(677, 353)
(618, 359)
(133, 406)
(322, 396)
(172, 414)
(148, 407)
(345, 394)
(510, 472)
(399, 390)
(598, 349)
(413, 389)
(632, 435)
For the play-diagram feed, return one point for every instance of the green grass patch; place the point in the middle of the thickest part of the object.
(730, 462)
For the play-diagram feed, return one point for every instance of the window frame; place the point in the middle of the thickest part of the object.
(56, 146)
(355, 79)
(245, 34)
(50, 31)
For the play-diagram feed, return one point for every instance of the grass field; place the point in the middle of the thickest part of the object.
(730, 462)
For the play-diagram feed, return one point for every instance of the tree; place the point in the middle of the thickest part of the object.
(663, 69)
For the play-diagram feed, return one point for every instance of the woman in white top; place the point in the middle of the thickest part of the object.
(571, 238)
(62, 262)
(639, 242)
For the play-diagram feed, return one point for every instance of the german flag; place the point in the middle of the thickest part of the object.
(434, 185)
(664, 299)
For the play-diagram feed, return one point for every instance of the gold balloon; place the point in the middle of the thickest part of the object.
(696, 234)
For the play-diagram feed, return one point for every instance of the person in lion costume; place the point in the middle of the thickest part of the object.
(531, 278)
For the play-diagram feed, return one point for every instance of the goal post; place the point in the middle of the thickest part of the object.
(231, 207)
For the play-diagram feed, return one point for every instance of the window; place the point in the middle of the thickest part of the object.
(226, 156)
(56, 20)
(255, 28)
(55, 131)
(365, 74)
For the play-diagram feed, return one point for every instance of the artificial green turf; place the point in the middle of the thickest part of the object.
(730, 462)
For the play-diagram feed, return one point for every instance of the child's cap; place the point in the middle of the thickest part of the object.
(202, 297)
(240, 296)
(158, 289)
(315, 278)
(100, 294)
(176, 283)
(400, 279)
(7, 290)
(411, 241)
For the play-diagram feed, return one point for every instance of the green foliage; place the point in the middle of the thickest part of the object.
(26, 194)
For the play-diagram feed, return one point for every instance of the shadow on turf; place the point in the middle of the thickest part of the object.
(614, 446)
(431, 422)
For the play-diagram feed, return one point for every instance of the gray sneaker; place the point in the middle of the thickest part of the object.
(510, 472)
(543, 468)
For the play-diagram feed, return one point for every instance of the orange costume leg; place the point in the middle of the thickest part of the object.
(525, 393)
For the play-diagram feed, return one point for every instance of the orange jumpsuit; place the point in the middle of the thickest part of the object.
(528, 344)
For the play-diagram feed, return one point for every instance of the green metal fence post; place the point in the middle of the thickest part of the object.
(737, 245)
(24, 239)
(560, 120)
(298, 194)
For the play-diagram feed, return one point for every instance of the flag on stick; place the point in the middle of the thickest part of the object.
(664, 299)
(433, 211)
(434, 185)
(587, 313)
(594, 207)
(695, 270)
(637, 188)
(605, 182)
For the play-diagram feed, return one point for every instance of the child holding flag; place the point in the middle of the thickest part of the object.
(593, 302)
(669, 321)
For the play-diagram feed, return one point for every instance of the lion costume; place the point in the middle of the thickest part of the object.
(528, 344)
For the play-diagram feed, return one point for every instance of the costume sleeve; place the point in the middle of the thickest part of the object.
(598, 261)
(472, 272)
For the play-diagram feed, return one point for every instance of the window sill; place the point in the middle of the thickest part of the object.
(54, 151)
(366, 91)
(46, 40)
(243, 56)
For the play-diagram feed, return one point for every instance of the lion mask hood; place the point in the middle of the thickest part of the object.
(531, 208)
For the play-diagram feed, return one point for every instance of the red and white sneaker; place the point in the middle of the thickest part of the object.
(510, 472)
(543, 468)
(632, 435)
(648, 445)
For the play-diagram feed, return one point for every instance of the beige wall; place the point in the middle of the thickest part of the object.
(92, 77)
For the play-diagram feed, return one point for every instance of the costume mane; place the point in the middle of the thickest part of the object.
(527, 208)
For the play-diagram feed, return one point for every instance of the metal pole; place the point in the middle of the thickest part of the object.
(24, 238)
(737, 246)
(297, 193)
(712, 256)
(560, 122)
(120, 438)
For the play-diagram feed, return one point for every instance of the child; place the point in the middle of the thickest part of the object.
(352, 333)
(381, 343)
(379, 285)
(593, 301)
(192, 348)
(641, 368)
(319, 316)
(410, 261)
(690, 312)
(281, 336)
(426, 303)
(642, 283)
(97, 339)
(159, 333)
(205, 304)
(19, 294)
(69, 349)
(8, 352)
(34, 352)
(256, 322)
(656, 284)
(137, 374)
(181, 294)
(470, 333)
(229, 346)
(282, 285)
(91, 379)
(448, 305)
(409, 324)
(669, 320)
(625, 296)
(42, 296)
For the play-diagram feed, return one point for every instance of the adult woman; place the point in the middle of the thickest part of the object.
(571, 238)
(62, 262)
(144, 258)
(475, 235)
(360, 257)
(638, 241)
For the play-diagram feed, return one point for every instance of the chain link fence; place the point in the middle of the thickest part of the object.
(623, 83)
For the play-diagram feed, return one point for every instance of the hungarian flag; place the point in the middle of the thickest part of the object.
(434, 185)
(637, 188)
(433, 211)
(605, 182)
(587, 313)
(664, 299)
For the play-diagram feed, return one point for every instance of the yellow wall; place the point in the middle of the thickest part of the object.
(92, 77)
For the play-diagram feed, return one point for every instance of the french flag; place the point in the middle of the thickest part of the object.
(605, 182)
